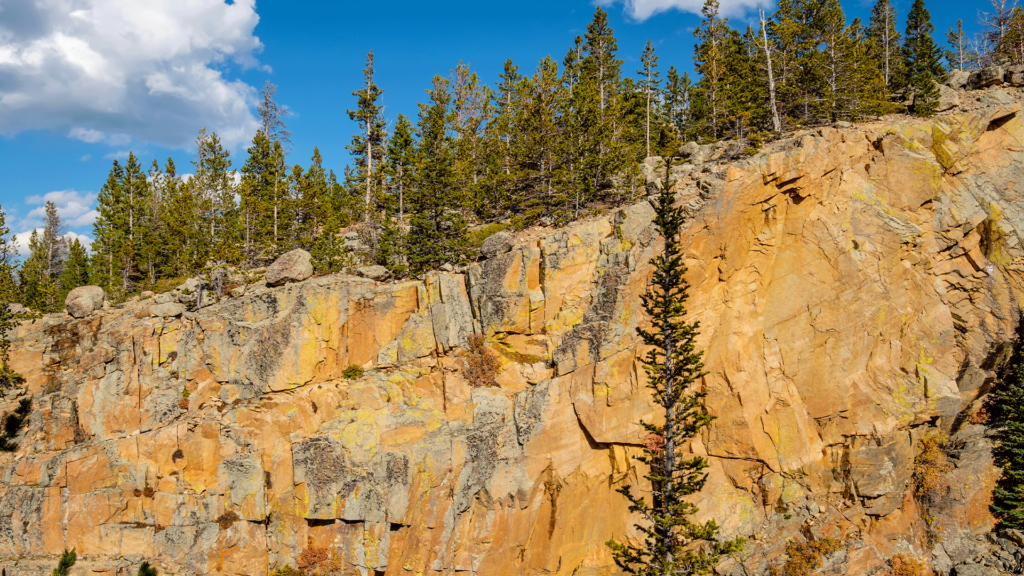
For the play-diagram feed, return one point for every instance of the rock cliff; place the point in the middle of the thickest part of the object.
(857, 289)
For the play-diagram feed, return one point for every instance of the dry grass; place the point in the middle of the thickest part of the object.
(803, 558)
(931, 464)
(905, 565)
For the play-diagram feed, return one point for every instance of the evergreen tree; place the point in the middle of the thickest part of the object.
(272, 115)
(367, 143)
(673, 543)
(40, 274)
(401, 158)
(676, 98)
(8, 296)
(261, 195)
(437, 233)
(111, 252)
(961, 56)
(709, 61)
(650, 83)
(882, 31)
(145, 569)
(67, 560)
(921, 61)
(213, 190)
(180, 230)
(76, 269)
(1008, 415)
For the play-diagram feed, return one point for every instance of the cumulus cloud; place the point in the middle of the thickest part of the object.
(21, 240)
(74, 208)
(110, 71)
(643, 9)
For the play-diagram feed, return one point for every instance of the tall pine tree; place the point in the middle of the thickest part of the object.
(366, 144)
(672, 542)
(921, 61)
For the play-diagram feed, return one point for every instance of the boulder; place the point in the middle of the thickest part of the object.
(957, 79)
(84, 300)
(16, 308)
(292, 266)
(985, 77)
(496, 244)
(1014, 75)
(689, 149)
(375, 272)
(948, 98)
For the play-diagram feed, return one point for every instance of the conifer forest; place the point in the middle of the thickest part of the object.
(526, 145)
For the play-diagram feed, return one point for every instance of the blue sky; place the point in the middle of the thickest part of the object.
(85, 81)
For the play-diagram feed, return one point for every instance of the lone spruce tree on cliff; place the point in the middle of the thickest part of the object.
(673, 544)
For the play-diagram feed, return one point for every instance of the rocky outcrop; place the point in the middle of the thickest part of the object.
(857, 289)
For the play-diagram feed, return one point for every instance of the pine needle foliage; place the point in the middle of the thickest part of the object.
(146, 569)
(1008, 410)
(673, 544)
(67, 560)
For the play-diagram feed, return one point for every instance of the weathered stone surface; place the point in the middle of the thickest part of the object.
(375, 272)
(948, 98)
(958, 79)
(985, 77)
(84, 300)
(496, 244)
(294, 266)
(1014, 75)
(856, 289)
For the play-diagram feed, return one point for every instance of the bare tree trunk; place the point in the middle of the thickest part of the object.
(776, 121)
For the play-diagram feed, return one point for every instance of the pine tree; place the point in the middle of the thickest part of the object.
(145, 569)
(961, 56)
(40, 274)
(180, 229)
(921, 61)
(367, 144)
(272, 115)
(260, 193)
(1008, 415)
(676, 98)
(882, 31)
(8, 296)
(650, 83)
(437, 233)
(111, 251)
(76, 269)
(401, 158)
(709, 61)
(673, 543)
(212, 187)
(64, 565)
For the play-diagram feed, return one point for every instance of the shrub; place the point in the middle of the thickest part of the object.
(353, 372)
(931, 464)
(286, 571)
(147, 570)
(905, 565)
(803, 558)
(481, 363)
(1008, 421)
(316, 561)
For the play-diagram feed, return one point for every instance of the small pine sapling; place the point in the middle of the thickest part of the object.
(147, 570)
(673, 544)
(67, 560)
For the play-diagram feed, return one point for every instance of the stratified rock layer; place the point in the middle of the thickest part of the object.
(856, 289)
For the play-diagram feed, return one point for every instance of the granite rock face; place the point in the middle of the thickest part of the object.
(857, 289)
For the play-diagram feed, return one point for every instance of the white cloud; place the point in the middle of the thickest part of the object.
(112, 71)
(74, 208)
(21, 240)
(643, 9)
